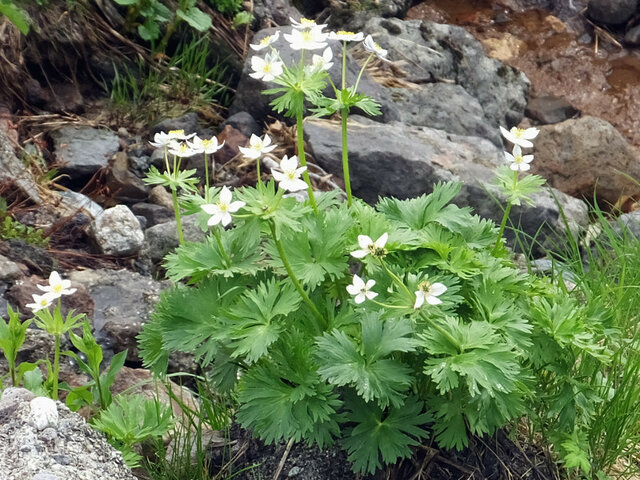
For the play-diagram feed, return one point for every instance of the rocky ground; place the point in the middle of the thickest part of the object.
(444, 94)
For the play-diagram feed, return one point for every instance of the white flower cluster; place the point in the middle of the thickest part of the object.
(521, 138)
(306, 35)
(56, 288)
(177, 143)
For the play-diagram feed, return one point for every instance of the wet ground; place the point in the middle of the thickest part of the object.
(562, 55)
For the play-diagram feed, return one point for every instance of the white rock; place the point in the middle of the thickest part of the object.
(117, 232)
(44, 412)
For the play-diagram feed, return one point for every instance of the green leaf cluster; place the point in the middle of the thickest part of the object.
(272, 321)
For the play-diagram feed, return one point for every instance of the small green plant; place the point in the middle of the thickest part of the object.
(149, 15)
(96, 393)
(11, 229)
(132, 419)
(12, 336)
(187, 82)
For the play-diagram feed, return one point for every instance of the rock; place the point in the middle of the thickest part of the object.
(163, 238)
(403, 162)
(124, 185)
(14, 174)
(353, 14)
(82, 151)
(123, 302)
(628, 223)
(37, 259)
(187, 122)
(612, 12)
(160, 196)
(632, 37)
(550, 109)
(232, 139)
(44, 413)
(448, 82)
(66, 449)
(65, 98)
(9, 270)
(273, 12)
(432, 52)
(74, 201)
(154, 214)
(244, 123)
(576, 155)
(505, 47)
(117, 232)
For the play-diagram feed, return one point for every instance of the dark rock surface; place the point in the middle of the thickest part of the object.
(82, 151)
(611, 11)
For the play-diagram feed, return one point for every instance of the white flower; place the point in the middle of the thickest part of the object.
(518, 161)
(368, 246)
(307, 39)
(181, 149)
(305, 24)
(361, 290)
(346, 36)
(221, 212)
(41, 301)
(161, 139)
(430, 292)
(267, 68)
(265, 42)
(322, 62)
(520, 136)
(57, 286)
(200, 145)
(257, 147)
(289, 179)
(373, 47)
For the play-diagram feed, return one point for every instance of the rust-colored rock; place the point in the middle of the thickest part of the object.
(232, 139)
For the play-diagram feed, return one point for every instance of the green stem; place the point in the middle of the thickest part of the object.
(206, 175)
(345, 156)
(176, 209)
(505, 217)
(303, 160)
(355, 87)
(446, 334)
(12, 369)
(395, 278)
(56, 367)
(260, 184)
(344, 64)
(103, 402)
(385, 305)
(225, 256)
(294, 279)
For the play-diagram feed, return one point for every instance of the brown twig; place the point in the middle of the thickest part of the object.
(283, 460)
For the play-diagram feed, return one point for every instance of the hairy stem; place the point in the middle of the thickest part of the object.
(225, 256)
(176, 209)
(345, 156)
(505, 217)
(56, 368)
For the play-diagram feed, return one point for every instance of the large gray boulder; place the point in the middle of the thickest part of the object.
(82, 151)
(117, 232)
(587, 155)
(13, 173)
(43, 439)
(448, 83)
(403, 162)
(611, 11)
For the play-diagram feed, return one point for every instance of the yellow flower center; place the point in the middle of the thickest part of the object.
(517, 132)
(344, 33)
(267, 68)
(176, 132)
(518, 159)
(306, 36)
(43, 302)
(291, 175)
(265, 40)
(424, 286)
(223, 207)
(306, 21)
(57, 288)
(206, 143)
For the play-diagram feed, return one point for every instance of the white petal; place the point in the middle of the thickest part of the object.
(437, 289)
(371, 295)
(431, 300)
(530, 133)
(294, 185)
(527, 158)
(517, 151)
(210, 208)
(360, 253)
(382, 241)
(225, 219)
(524, 167)
(255, 140)
(364, 241)
(370, 284)
(360, 298)
(289, 164)
(215, 219)
(225, 195)
(278, 176)
(358, 282)
(353, 290)
(514, 167)
(509, 157)
(235, 206)
(54, 278)
(419, 299)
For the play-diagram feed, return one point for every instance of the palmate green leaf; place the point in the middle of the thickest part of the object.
(459, 260)
(16, 15)
(196, 260)
(285, 398)
(318, 251)
(417, 213)
(388, 434)
(188, 320)
(256, 319)
(366, 366)
(521, 191)
(479, 357)
(449, 426)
